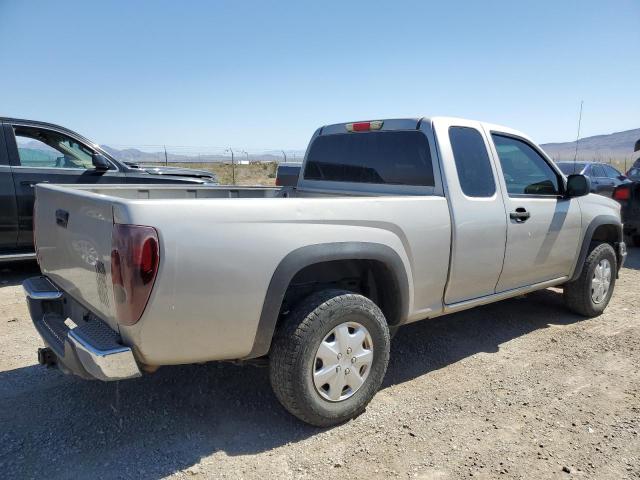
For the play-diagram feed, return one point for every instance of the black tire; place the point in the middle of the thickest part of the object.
(293, 352)
(577, 294)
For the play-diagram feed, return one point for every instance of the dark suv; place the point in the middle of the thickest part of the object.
(604, 178)
(36, 152)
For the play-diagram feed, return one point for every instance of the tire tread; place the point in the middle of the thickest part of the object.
(292, 337)
(577, 294)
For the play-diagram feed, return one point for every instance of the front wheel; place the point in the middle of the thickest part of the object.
(590, 293)
(329, 357)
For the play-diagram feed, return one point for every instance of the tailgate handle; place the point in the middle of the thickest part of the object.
(62, 218)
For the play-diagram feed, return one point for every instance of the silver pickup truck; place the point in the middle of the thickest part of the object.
(391, 222)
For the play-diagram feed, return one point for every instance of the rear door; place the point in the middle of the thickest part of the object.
(46, 155)
(8, 207)
(543, 227)
(479, 228)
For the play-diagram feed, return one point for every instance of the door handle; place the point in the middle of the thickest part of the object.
(520, 215)
(31, 183)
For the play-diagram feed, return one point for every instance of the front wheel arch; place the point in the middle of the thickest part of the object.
(603, 228)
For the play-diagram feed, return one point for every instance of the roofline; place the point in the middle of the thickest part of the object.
(71, 133)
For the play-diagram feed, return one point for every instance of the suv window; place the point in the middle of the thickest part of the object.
(39, 148)
(571, 168)
(598, 171)
(472, 162)
(390, 157)
(525, 171)
(611, 172)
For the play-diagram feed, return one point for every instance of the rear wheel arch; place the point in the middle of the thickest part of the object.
(385, 264)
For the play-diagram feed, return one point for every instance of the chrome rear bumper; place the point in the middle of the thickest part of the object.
(90, 349)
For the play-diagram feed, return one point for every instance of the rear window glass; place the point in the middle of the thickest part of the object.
(393, 157)
(472, 162)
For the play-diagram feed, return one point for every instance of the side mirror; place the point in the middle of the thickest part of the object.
(578, 186)
(100, 162)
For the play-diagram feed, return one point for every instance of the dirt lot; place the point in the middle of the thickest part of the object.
(256, 173)
(519, 389)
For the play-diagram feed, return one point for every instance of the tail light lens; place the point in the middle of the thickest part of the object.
(278, 182)
(135, 257)
(364, 126)
(622, 193)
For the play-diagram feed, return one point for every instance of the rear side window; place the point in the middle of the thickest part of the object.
(472, 162)
(611, 172)
(399, 157)
(597, 171)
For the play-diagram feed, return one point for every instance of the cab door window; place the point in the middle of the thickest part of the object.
(38, 148)
(525, 171)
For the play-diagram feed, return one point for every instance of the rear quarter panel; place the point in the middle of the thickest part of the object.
(218, 257)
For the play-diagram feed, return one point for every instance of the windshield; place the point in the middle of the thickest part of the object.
(634, 173)
(569, 168)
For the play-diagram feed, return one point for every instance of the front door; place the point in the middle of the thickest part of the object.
(40, 155)
(543, 227)
(8, 209)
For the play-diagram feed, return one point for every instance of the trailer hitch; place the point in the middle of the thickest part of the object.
(47, 357)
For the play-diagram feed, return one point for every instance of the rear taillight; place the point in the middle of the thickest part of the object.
(135, 257)
(278, 182)
(622, 193)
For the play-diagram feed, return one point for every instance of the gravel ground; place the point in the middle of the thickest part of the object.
(518, 389)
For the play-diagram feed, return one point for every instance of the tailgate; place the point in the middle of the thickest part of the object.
(73, 241)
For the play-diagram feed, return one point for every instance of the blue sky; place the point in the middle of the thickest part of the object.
(263, 75)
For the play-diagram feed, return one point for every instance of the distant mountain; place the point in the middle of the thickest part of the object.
(140, 156)
(603, 148)
(615, 147)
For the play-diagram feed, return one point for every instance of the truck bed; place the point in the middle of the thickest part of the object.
(218, 257)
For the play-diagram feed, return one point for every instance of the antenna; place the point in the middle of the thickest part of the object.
(578, 136)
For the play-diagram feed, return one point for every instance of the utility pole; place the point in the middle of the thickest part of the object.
(285, 156)
(166, 161)
(233, 166)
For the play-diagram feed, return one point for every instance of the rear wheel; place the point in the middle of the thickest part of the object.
(329, 357)
(589, 295)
